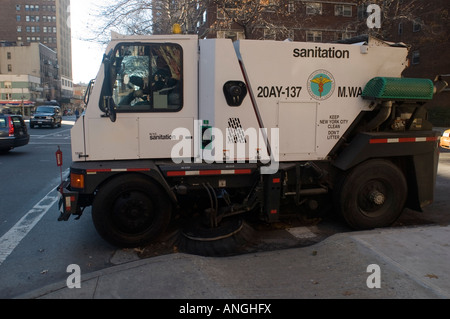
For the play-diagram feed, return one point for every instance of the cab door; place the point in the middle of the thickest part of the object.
(154, 91)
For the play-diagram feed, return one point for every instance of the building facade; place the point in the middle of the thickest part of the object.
(298, 20)
(24, 22)
(28, 73)
(427, 30)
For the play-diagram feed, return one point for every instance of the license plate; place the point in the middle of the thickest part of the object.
(39, 122)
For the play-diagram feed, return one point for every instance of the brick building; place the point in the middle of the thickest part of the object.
(298, 20)
(427, 30)
(23, 22)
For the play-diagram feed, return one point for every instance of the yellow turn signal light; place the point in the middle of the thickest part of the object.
(77, 180)
(176, 29)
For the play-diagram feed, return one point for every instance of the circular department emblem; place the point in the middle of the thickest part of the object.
(321, 85)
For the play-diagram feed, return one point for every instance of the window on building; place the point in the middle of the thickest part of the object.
(291, 7)
(17, 7)
(230, 9)
(314, 36)
(227, 34)
(8, 55)
(291, 35)
(267, 2)
(10, 68)
(417, 26)
(270, 34)
(8, 85)
(18, 18)
(343, 35)
(415, 57)
(344, 10)
(314, 8)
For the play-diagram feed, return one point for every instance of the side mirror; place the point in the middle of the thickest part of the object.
(110, 107)
(88, 92)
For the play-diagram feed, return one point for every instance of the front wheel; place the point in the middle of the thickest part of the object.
(131, 211)
(372, 195)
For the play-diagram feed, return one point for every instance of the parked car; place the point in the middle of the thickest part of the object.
(445, 139)
(13, 132)
(48, 115)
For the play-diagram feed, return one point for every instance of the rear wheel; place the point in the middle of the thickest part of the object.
(131, 211)
(372, 195)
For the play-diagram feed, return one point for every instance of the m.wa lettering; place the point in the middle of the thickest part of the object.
(349, 91)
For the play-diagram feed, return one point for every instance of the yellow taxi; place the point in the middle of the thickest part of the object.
(445, 140)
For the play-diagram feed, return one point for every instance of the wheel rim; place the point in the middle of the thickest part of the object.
(374, 198)
(133, 212)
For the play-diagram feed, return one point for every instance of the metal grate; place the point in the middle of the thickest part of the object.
(235, 131)
(399, 89)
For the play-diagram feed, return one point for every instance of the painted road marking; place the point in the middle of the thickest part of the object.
(17, 233)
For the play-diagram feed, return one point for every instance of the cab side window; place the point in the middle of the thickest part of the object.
(148, 78)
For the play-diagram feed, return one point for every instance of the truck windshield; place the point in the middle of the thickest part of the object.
(148, 78)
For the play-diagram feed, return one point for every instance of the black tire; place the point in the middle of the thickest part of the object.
(131, 211)
(372, 195)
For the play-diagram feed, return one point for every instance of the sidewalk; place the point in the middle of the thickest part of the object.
(414, 264)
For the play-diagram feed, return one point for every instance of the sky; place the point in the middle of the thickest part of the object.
(86, 56)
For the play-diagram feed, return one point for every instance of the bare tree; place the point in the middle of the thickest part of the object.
(148, 17)
(396, 13)
(257, 19)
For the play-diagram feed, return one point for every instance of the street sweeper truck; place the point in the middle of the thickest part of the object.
(223, 132)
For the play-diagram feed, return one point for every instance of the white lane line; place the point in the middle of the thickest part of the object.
(55, 134)
(14, 236)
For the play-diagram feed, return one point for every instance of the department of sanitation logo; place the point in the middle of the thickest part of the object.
(321, 85)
